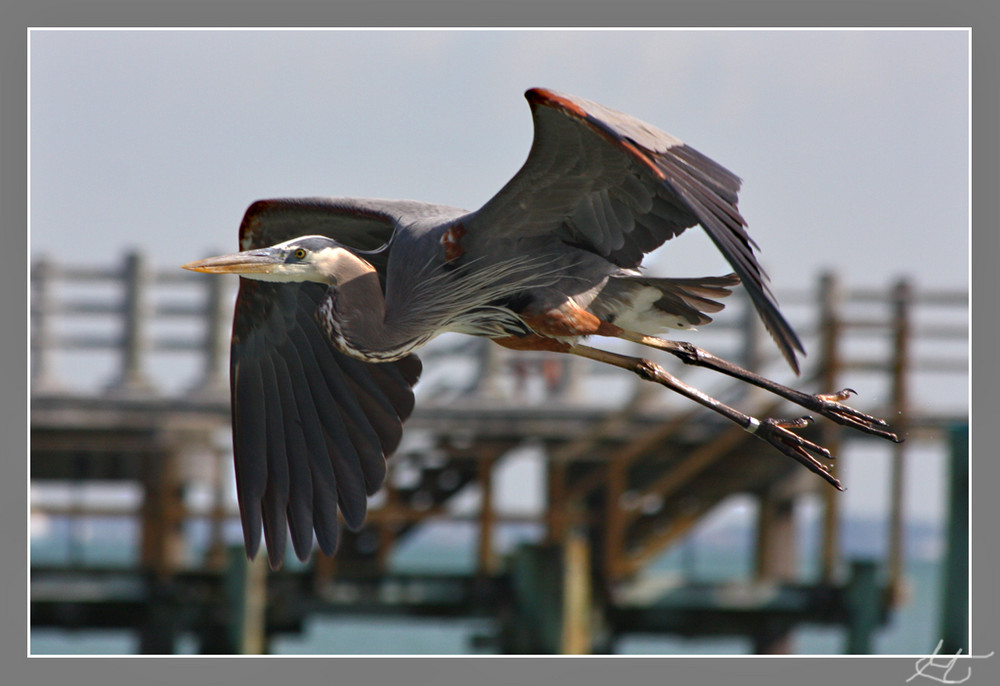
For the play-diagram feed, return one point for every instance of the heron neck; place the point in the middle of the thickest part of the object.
(354, 318)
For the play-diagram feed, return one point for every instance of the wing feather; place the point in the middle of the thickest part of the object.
(300, 490)
(276, 494)
(605, 181)
(249, 441)
(323, 404)
(311, 427)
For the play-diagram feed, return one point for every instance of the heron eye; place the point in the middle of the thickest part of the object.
(300, 254)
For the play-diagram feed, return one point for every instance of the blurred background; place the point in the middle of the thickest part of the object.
(536, 505)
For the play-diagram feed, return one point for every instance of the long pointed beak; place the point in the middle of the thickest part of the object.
(249, 262)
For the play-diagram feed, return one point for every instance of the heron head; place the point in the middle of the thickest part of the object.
(308, 258)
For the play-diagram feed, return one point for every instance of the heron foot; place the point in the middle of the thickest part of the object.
(829, 405)
(778, 432)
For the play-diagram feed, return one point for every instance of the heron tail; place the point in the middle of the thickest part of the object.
(648, 305)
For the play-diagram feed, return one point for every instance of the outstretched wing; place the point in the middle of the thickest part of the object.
(619, 187)
(311, 426)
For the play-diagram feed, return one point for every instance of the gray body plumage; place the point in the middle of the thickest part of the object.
(480, 291)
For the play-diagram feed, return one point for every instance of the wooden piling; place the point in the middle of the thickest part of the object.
(865, 604)
(135, 343)
(775, 562)
(831, 331)
(902, 297)
(955, 586)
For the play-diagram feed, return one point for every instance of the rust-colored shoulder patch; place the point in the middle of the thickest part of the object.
(555, 328)
(452, 242)
(569, 319)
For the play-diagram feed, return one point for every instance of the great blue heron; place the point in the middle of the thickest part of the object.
(336, 295)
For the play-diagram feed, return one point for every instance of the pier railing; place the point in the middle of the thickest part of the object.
(139, 316)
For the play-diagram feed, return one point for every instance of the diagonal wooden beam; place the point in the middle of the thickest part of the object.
(625, 456)
(691, 465)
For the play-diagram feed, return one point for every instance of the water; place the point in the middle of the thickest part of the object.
(912, 630)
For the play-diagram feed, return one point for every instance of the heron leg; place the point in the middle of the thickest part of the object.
(774, 431)
(828, 405)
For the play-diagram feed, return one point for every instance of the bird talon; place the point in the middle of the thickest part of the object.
(780, 430)
(859, 420)
(837, 396)
(831, 407)
(777, 433)
(796, 423)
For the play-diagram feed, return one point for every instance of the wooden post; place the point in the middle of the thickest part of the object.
(216, 554)
(955, 595)
(551, 599)
(751, 358)
(864, 607)
(902, 297)
(614, 518)
(245, 592)
(830, 330)
(556, 516)
(535, 623)
(42, 304)
(161, 623)
(486, 559)
(217, 322)
(575, 368)
(775, 560)
(775, 555)
(162, 547)
(577, 633)
(134, 344)
(490, 366)
(162, 508)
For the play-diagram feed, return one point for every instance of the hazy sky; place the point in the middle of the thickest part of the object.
(853, 145)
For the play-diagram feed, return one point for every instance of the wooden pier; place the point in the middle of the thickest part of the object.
(629, 471)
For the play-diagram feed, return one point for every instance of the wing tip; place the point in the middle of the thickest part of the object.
(549, 98)
(354, 514)
(792, 360)
(276, 559)
(251, 539)
(275, 539)
(787, 341)
(328, 536)
(251, 221)
(537, 94)
(782, 333)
